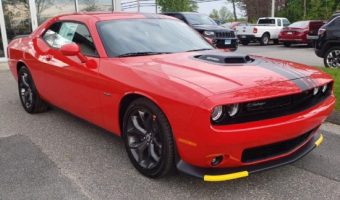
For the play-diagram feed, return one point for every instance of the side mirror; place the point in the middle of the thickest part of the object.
(73, 49)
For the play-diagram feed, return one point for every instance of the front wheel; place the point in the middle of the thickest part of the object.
(29, 96)
(332, 58)
(148, 139)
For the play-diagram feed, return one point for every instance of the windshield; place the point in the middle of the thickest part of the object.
(300, 24)
(198, 19)
(133, 37)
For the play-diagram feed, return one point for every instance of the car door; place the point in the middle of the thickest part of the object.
(70, 84)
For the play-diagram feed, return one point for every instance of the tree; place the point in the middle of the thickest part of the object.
(223, 14)
(214, 14)
(234, 3)
(177, 5)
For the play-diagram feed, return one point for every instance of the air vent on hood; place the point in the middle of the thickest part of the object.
(226, 59)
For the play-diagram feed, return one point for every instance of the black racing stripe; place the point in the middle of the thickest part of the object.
(310, 82)
(289, 75)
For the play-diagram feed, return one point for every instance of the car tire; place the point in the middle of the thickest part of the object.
(245, 42)
(28, 93)
(287, 44)
(148, 139)
(332, 57)
(264, 41)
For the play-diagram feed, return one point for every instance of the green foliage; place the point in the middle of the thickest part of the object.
(316, 9)
(177, 5)
(223, 14)
(335, 73)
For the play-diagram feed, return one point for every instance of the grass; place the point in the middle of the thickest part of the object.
(335, 73)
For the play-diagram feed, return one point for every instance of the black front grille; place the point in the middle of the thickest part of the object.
(272, 150)
(224, 34)
(275, 107)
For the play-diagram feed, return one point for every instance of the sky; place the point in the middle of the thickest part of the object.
(205, 8)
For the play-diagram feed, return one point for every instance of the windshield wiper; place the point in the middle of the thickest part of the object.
(141, 54)
(199, 50)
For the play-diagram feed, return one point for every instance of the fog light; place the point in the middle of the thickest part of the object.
(216, 161)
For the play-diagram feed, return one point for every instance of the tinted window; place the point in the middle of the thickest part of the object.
(266, 21)
(199, 19)
(121, 37)
(60, 34)
(335, 22)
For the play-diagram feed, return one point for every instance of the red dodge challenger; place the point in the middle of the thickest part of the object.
(175, 100)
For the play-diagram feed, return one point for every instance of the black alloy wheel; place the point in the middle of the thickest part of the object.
(28, 93)
(148, 139)
(332, 58)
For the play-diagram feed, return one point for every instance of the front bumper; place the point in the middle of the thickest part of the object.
(217, 174)
(246, 37)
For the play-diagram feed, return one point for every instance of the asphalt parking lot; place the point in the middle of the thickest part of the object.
(295, 53)
(55, 155)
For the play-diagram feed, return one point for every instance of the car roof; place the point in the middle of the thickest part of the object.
(183, 13)
(103, 16)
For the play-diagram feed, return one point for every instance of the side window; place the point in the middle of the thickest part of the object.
(279, 22)
(62, 33)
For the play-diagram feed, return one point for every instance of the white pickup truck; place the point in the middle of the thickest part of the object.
(266, 29)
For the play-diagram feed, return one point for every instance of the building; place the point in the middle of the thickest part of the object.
(20, 17)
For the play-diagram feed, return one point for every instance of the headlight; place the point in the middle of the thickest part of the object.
(209, 33)
(233, 109)
(217, 113)
(324, 88)
(316, 91)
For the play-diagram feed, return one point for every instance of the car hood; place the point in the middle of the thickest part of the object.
(210, 28)
(221, 78)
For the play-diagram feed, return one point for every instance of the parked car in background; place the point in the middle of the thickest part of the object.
(328, 43)
(301, 32)
(266, 29)
(231, 25)
(219, 36)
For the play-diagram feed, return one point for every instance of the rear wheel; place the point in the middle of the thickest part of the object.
(264, 41)
(332, 58)
(287, 44)
(148, 139)
(245, 42)
(29, 95)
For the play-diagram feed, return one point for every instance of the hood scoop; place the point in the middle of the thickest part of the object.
(226, 58)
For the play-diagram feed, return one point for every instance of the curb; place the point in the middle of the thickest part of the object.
(334, 118)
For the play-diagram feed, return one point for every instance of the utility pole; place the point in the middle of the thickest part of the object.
(156, 7)
(273, 8)
(138, 5)
(305, 9)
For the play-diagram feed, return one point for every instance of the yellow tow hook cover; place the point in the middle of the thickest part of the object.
(319, 141)
(226, 177)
